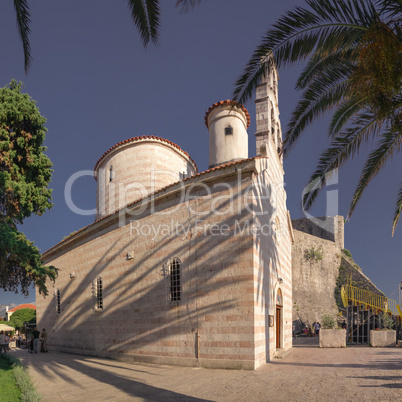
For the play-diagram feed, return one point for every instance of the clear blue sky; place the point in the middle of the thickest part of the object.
(97, 86)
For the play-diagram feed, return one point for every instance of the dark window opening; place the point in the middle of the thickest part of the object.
(111, 173)
(58, 301)
(175, 280)
(228, 130)
(99, 294)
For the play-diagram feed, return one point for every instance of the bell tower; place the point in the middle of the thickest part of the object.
(269, 133)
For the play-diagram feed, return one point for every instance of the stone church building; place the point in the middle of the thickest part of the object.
(180, 266)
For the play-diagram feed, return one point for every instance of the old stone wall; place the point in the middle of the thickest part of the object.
(320, 268)
(211, 233)
(315, 266)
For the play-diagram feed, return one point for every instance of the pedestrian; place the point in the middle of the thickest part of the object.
(317, 328)
(294, 331)
(35, 335)
(7, 342)
(18, 340)
(2, 342)
(43, 341)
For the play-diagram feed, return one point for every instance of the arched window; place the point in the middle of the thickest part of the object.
(175, 279)
(279, 300)
(57, 297)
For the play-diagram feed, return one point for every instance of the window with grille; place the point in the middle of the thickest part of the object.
(97, 293)
(58, 301)
(175, 280)
(228, 130)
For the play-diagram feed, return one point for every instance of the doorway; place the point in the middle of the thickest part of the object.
(278, 326)
(278, 319)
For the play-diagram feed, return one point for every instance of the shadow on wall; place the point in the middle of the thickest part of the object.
(206, 269)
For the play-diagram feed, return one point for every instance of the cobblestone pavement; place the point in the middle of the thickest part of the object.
(307, 373)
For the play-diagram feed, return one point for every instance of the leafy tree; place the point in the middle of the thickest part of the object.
(25, 172)
(145, 14)
(22, 315)
(353, 52)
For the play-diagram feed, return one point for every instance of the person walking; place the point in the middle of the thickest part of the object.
(43, 341)
(35, 335)
(2, 342)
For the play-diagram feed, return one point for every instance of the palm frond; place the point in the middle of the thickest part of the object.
(187, 5)
(319, 64)
(390, 8)
(146, 16)
(23, 21)
(344, 113)
(344, 147)
(398, 211)
(316, 100)
(297, 34)
(389, 143)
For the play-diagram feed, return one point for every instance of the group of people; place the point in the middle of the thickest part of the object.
(33, 345)
(316, 328)
(39, 337)
(4, 342)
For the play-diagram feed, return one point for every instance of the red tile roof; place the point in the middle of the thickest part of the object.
(156, 192)
(227, 103)
(27, 305)
(144, 137)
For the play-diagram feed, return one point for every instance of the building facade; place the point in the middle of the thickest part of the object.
(182, 267)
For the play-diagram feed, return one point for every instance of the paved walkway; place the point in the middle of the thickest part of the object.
(308, 373)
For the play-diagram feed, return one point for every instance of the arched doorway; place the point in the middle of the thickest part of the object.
(278, 318)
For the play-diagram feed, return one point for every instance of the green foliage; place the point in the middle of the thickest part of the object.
(18, 318)
(329, 322)
(25, 173)
(353, 65)
(24, 383)
(313, 254)
(387, 321)
(347, 253)
(8, 386)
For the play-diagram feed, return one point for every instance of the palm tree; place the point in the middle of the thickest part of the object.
(145, 14)
(353, 53)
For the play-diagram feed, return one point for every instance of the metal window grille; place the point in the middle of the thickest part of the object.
(175, 280)
(99, 293)
(228, 130)
(58, 301)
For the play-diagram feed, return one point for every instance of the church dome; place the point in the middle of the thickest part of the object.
(137, 167)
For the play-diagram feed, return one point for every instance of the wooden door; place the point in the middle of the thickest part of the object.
(278, 327)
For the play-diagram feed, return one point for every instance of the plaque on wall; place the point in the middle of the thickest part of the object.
(271, 320)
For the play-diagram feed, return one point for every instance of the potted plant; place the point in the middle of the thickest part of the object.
(386, 336)
(331, 336)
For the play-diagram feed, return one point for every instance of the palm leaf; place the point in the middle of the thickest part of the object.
(297, 34)
(389, 143)
(318, 64)
(316, 100)
(344, 146)
(398, 211)
(344, 113)
(146, 15)
(23, 21)
(186, 5)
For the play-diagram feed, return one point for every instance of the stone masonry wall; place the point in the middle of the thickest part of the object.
(213, 324)
(317, 281)
(314, 279)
